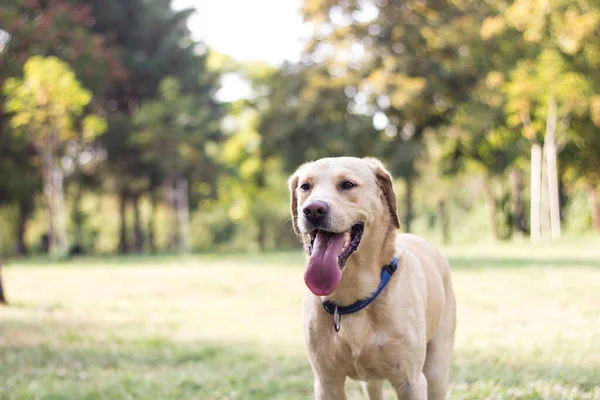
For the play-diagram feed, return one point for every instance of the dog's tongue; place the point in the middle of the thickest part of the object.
(323, 273)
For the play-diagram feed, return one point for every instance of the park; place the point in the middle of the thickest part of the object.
(147, 249)
(229, 327)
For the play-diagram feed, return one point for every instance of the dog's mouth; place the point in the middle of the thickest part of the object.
(329, 252)
(350, 245)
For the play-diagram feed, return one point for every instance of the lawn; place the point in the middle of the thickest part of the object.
(229, 327)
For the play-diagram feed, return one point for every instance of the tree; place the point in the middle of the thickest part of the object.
(410, 63)
(563, 72)
(59, 28)
(544, 95)
(19, 181)
(44, 106)
(2, 294)
(305, 117)
(153, 42)
(170, 132)
(479, 143)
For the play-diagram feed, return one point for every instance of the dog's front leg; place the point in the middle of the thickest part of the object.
(411, 389)
(329, 389)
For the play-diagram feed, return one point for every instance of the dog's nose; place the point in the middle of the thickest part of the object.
(316, 211)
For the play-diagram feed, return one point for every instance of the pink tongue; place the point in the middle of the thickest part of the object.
(323, 273)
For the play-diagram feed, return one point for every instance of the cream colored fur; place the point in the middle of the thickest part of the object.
(406, 334)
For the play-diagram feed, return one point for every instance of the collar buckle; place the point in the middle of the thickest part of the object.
(337, 319)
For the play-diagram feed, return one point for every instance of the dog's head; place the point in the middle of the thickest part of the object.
(335, 204)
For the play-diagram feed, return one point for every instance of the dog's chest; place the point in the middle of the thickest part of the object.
(367, 354)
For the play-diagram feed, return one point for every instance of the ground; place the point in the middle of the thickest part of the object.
(228, 327)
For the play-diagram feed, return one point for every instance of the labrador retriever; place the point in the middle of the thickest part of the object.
(380, 305)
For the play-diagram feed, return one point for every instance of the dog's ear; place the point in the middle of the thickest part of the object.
(293, 184)
(384, 180)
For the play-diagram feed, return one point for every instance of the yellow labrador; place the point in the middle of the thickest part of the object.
(381, 305)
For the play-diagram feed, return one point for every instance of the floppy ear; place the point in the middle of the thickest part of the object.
(384, 181)
(293, 184)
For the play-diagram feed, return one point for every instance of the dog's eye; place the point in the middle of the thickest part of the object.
(305, 187)
(347, 185)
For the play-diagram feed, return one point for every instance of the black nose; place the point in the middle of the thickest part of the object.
(316, 211)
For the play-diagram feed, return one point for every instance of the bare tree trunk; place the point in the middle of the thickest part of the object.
(152, 222)
(261, 236)
(536, 183)
(492, 211)
(25, 208)
(49, 197)
(517, 197)
(123, 245)
(409, 204)
(138, 238)
(171, 196)
(536, 190)
(2, 294)
(78, 220)
(62, 245)
(444, 221)
(545, 205)
(595, 206)
(550, 153)
(183, 214)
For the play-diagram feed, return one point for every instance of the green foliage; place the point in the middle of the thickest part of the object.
(46, 102)
(60, 28)
(533, 84)
(170, 131)
(250, 193)
(9, 216)
(322, 126)
(438, 90)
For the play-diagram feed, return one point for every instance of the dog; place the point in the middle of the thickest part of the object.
(380, 304)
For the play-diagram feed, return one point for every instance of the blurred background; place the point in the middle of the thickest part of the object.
(169, 128)
(152, 126)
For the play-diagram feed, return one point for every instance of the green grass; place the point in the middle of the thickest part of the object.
(229, 327)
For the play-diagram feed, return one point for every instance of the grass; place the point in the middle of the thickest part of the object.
(229, 327)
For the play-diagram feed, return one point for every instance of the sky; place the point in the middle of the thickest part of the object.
(258, 30)
(247, 30)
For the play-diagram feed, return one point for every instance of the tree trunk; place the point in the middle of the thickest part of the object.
(2, 294)
(536, 190)
(261, 236)
(123, 245)
(552, 173)
(492, 211)
(545, 205)
(78, 220)
(444, 221)
(137, 227)
(152, 222)
(25, 208)
(49, 197)
(171, 195)
(595, 206)
(409, 204)
(62, 245)
(563, 196)
(517, 197)
(183, 214)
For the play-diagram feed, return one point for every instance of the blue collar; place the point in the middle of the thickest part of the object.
(386, 273)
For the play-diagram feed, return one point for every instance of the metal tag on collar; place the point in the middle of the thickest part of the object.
(337, 319)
